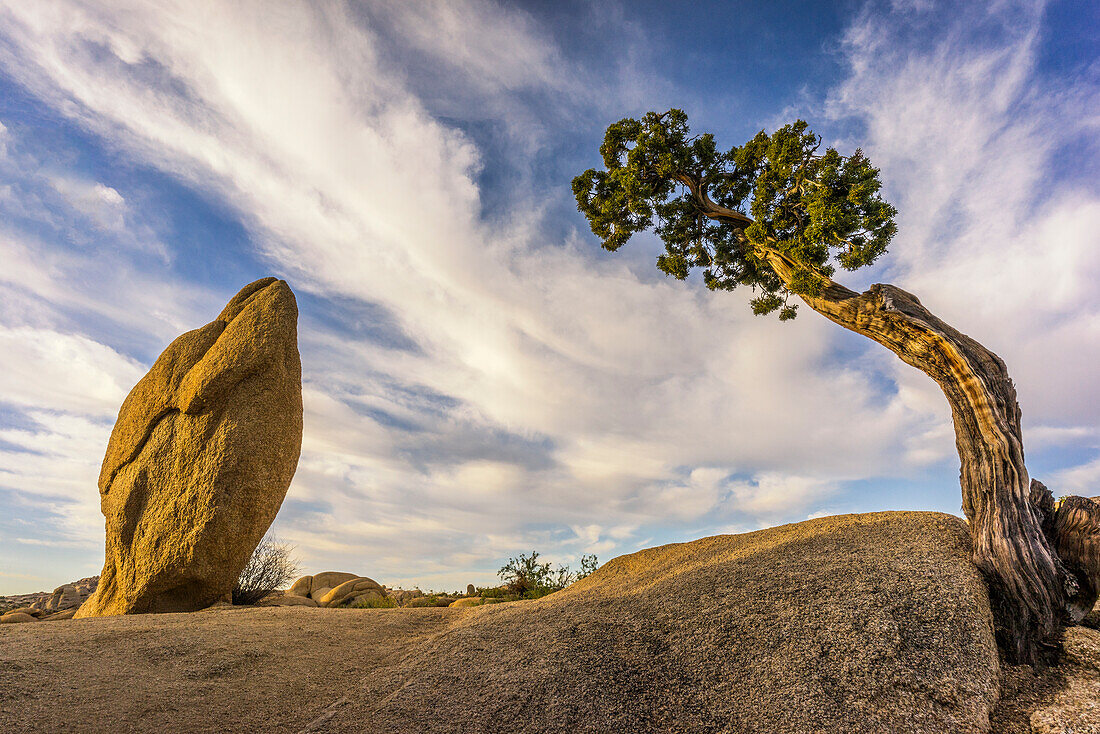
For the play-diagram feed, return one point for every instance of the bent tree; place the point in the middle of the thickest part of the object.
(778, 214)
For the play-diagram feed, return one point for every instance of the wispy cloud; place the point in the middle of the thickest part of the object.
(475, 385)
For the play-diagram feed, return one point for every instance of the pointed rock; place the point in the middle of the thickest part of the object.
(201, 457)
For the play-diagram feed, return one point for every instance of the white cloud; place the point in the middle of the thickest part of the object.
(1081, 480)
(553, 397)
(63, 372)
(993, 237)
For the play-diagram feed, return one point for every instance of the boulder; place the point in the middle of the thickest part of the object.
(200, 458)
(326, 581)
(365, 598)
(316, 587)
(16, 617)
(300, 587)
(31, 610)
(63, 597)
(860, 624)
(470, 590)
(403, 596)
(349, 590)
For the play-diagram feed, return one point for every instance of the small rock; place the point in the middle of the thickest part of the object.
(404, 596)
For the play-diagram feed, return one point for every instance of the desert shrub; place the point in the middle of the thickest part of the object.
(270, 567)
(589, 564)
(526, 578)
(374, 602)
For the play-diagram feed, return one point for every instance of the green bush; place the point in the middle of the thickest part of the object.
(526, 578)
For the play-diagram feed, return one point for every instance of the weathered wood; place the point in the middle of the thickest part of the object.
(1033, 593)
(1076, 537)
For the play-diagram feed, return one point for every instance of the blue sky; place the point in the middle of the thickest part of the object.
(480, 379)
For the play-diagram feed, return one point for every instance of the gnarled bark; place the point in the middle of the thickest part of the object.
(1033, 592)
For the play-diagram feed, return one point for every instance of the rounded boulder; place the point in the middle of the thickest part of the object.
(328, 580)
(16, 617)
(301, 587)
(349, 590)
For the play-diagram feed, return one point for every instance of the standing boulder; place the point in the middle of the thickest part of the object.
(201, 457)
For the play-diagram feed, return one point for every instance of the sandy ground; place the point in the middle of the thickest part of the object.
(275, 669)
(223, 670)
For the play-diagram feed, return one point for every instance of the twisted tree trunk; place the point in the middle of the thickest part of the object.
(1015, 543)
(1033, 592)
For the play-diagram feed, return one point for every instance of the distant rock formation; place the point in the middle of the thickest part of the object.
(334, 589)
(201, 457)
(41, 603)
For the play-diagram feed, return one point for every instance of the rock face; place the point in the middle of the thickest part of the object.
(201, 457)
(858, 623)
(861, 624)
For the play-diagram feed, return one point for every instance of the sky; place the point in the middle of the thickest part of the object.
(480, 379)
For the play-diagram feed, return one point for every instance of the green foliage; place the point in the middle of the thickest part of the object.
(589, 564)
(376, 602)
(492, 592)
(718, 210)
(526, 578)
